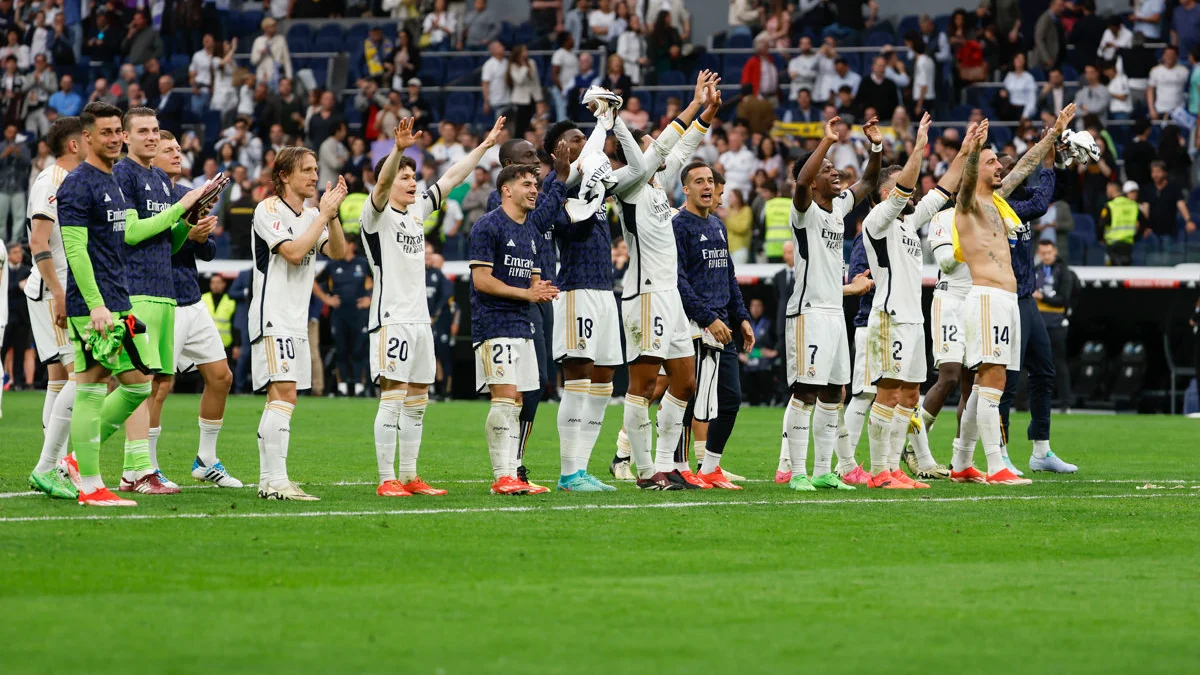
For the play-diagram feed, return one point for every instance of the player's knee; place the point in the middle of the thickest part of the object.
(804, 394)
(222, 379)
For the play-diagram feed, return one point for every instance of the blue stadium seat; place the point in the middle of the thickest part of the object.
(353, 116)
(525, 34)
(507, 34)
(329, 39)
(912, 22)
(1000, 135)
(433, 69)
(299, 38)
(1076, 249)
(1096, 254)
(942, 22)
(460, 66)
(708, 61)
(1069, 73)
(356, 35)
(960, 113)
(1085, 226)
(733, 64)
(879, 38)
(739, 41)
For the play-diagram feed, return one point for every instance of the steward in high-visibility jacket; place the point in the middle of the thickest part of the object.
(777, 228)
(221, 309)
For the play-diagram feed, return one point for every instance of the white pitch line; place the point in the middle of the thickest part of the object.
(582, 507)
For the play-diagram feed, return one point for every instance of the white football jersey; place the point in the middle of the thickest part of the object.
(817, 235)
(43, 204)
(957, 282)
(395, 244)
(893, 245)
(281, 291)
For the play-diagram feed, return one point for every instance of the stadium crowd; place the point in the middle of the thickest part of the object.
(229, 83)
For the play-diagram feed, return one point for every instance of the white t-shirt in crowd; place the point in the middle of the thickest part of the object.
(1169, 85)
(568, 68)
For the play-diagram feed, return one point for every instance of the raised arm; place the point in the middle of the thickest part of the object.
(637, 167)
(1034, 156)
(691, 139)
(952, 179)
(802, 192)
(967, 201)
(1039, 198)
(404, 138)
(869, 183)
(458, 172)
(885, 213)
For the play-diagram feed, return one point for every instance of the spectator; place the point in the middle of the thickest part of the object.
(406, 60)
(344, 287)
(804, 111)
(1087, 33)
(376, 49)
(632, 48)
(1164, 91)
(16, 346)
(1165, 203)
(1139, 154)
(600, 22)
(271, 55)
(1049, 40)
(896, 71)
(369, 100)
(770, 161)
(1115, 38)
(877, 91)
(634, 115)
(924, 92)
(1120, 106)
(758, 365)
(1136, 63)
(151, 71)
(1147, 18)
(744, 17)
(847, 106)
(417, 107)
(324, 122)
(474, 203)
(1092, 98)
(102, 43)
(202, 72)
(564, 67)
(619, 24)
(525, 87)
(15, 49)
(760, 71)
(1120, 221)
(135, 97)
(247, 146)
(38, 34)
(739, 221)
(1193, 88)
(802, 69)
(101, 93)
(494, 79)
(289, 110)
(575, 22)
(447, 150)
(1019, 97)
(1054, 95)
(224, 94)
(1053, 296)
(843, 77)
(247, 93)
(615, 79)
(142, 42)
(169, 105)
(13, 88)
(14, 180)
(1185, 26)
(738, 162)
(62, 47)
(480, 27)
(439, 27)
(758, 112)
(826, 58)
(666, 44)
(41, 86)
(332, 155)
(1097, 175)
(937, 45)
(778, 24)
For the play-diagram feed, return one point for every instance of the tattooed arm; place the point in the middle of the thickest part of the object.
(1034, 156)
(968, 202)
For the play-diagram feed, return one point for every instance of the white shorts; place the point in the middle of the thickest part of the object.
(895, 351)
(403, 352)
(656, 325)
(53, 343)
(992, 323)
(861, 384)
(281, 358)
(818, 351)
(197, 340)
(506, 361)
(946, 326)
(588, 326)
(708, 365)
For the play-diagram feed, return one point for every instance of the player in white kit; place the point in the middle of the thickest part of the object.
(895, 350)
(45, 294)
(401, 342)
(818, 351)
(284, 241)
(657, 331)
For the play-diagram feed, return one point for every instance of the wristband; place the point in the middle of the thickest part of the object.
(43, 255)
(877, 147)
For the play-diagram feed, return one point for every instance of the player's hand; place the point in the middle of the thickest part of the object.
(199, 233)
(364, 302)
(981, 134)
(747, 336)
(331, 201)
(60, 308)
(101, 320)
(542, 291)
(714, 94)
(561, 159)
(1037, 295)
(493, 136)
(831, 134)
(1064, 118)
(702, 84)
(720, 331)
(405, 138)
(922, 133)
(860, 284)
(334, 301)
(871, 129)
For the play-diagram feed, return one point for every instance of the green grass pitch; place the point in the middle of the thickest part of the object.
(1084, 573)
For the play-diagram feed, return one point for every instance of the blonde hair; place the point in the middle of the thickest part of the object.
(287, 160)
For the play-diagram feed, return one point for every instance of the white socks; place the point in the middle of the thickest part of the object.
(845, 451)
(500, 418)
(276, 431)
(53, 387)
(637, 431)
(624, 451)
(901, 418)
(571, 411)
(670, 428)
(209, 430)
(411, 427)
(797, 420)
(711, 461)
(155, 432)
(989, 427)
(879, 435)
(825, 436)
(57, 425)
(387, 421)
(599, 394)
(968, 433)
(1041, 449)
(785, 453)
(918, 438)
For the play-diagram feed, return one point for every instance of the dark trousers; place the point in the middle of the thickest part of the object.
(542, 317)
(350, 340)
(1037, 359)
(729, 401)
(1058, 347)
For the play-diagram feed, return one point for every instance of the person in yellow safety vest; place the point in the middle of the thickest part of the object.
(1121, 220)
(350, 212)
(777, 228)
(221, 308)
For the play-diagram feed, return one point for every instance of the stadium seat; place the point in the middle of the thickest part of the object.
(961, 113)
(461, 66)
(733, 65)
(299, 38)
(1076, 249)
(356, 35)
(1085, 226)
(912, 22)
(507, 33)
(330, 38)
(433, 69)
(739, 41)
(1000, 135)
(942, 22)
(1096, 254)
(526, 34)
(880, 38)
(1069, 73)
(709, 61)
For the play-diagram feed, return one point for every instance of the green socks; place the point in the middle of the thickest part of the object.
(137, 456)
(119, 405)
(85, 427)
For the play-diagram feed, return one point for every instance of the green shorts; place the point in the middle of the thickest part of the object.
(159, 316)
(134, 355)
